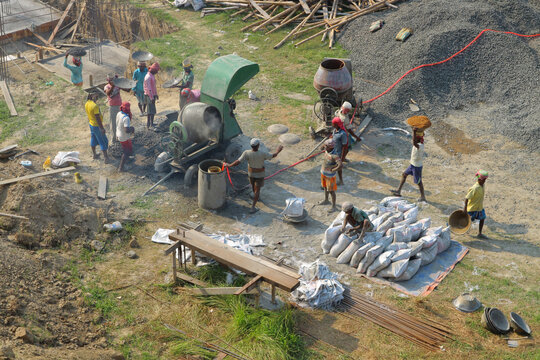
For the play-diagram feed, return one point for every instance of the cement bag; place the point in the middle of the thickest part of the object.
(403, 235)
(433, 231)
(371, 254)
(397, 217)
(395, 269)
(397, 246)
(416, 230)
(372, 236)
(401, 254)
(416, 247)
(428, 241)
(411, 213)
(412, 268)
(392, 230)
(427, 255)
(385, 226)
(390, 199)
(372, 217)
(379, 220)
(443, 241)
(373, 210)
(330, 237)
(347, 254)
(384, 241)
(341, 244)
(380, 263)
(360, 253)
(405, 222)
(384, 209)
(339, 219)
(404, 206)
(426, 223)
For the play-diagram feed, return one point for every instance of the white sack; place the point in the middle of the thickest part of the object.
(397, 246)
(372, 236)
(412, 268)
(372, 217)
(392, 230)
(433, 231)
(294, 207)
(385, 226)
(379, 220)
(395, 269)
(403, 235)
(416, 247)
(339, 219)
(63, 158)
(341, 244)
(443, 242)
(396, 217)
(371, 254)
(373, 210)
(384, 209)
(427, 255)
(404, 206)
(411, 213)
(426, 223)
(390, 199)
(428, 240)
(360, 253)
(405, 222)
(384, 241)
(401, 254)
(330, 237)
(416, 230)
(380, 263)
(347, 254)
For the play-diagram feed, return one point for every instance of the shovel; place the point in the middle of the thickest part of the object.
(23, 153)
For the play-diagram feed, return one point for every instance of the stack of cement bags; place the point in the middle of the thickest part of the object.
(396, 249)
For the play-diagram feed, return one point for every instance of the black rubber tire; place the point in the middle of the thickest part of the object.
(191, 174)
(233, 152)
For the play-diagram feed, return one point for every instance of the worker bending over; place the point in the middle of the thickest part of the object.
(357, 218)
(474, 201)
(256, 170)
(344, 114)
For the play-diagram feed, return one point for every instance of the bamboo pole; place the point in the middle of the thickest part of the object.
(283, 13)
(313, 11)
(285, 23)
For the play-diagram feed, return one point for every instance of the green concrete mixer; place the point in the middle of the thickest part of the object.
(211, 123)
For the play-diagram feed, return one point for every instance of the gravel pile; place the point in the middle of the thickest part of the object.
(499, 75)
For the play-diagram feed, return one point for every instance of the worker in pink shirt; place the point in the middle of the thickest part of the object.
(115, 100)
(150, 93)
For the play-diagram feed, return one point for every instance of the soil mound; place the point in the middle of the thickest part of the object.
(499, 72)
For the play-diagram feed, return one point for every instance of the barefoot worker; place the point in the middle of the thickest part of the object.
(138, 90)
(255, 159)
(97, 131)
(331, 164)
(76, 70)
(474, 201)
(115, 100)
(341, 143)
(123, 131)
(357, 218)
(150, 93)
(418, 124)
(344, 114)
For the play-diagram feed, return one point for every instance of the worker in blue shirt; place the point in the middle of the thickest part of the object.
(76, 70)
(138, 90)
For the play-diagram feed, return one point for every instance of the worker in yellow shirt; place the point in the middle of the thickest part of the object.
(474, 201)
(97, 130)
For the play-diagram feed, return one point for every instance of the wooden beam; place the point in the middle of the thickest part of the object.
(27, 177)
(8, 148)
(102, 188)
(61, 21)
(263, 23)
(77, 23)
(9, 99)
(14, 216)
(293, 31)
(259, 9)
(190, 279)
(41, 38)
(237, 259)
(305, 6)
(249, 285)
(215, 291)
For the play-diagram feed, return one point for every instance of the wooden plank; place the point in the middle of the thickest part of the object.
(363, 125)
(9, 99)
(215, 291)
(325, 17)
(8, 148)
(259, 9)
(190, 279)
(27, 177)
(14, 216)
(40, 38)
(305, 6)
(247, 263)
(220, 356)
(249, 285)
(102, 188)
(77, 23)
(61, 21)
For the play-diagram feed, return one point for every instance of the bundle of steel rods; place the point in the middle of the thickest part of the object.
(425, 333)
(304, 15)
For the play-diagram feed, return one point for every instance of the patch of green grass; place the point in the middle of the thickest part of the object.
(216, 275)
(99, 298)
(190, 347)
(145, 203)
(171, 50)
(476, 326)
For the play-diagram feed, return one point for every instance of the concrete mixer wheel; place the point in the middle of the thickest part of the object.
(190, 175)
(233, 152)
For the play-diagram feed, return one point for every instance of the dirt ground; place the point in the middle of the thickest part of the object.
(65, 216)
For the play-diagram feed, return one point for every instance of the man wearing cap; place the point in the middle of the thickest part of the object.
(343, 114)
(418, 124)
(357, 218)
(138, 90)
(474, 201)
(115, 100)
(150, 93)
(76, 70)
(186, 83)
(341, 142)
(255, 159)
(123, 131)
(331, 164)
(97, 131)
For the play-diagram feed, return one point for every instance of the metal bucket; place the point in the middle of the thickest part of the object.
(212, 185)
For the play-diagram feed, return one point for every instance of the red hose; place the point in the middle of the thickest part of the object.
(445, 60)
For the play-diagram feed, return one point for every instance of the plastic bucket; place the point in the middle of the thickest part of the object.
(212, 181)
(460, 222)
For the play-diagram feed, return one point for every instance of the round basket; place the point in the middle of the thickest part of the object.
(460, 222)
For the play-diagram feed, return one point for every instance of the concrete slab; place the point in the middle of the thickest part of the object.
(115, 59)
(20, 15)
